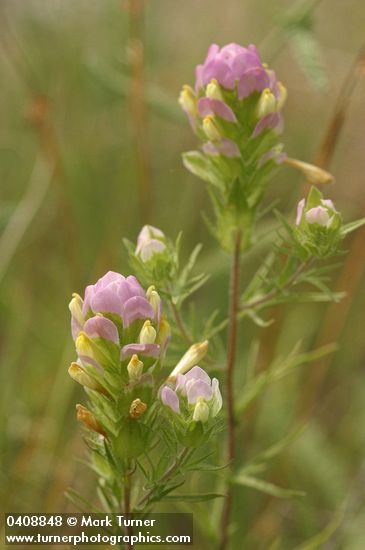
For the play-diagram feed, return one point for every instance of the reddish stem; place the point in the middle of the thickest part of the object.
(231, 357)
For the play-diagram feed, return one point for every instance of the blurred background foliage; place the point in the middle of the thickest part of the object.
(83, 164)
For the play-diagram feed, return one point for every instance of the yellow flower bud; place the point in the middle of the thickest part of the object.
(88, 419)
(135, 368)
(313, 174)
(195, 353)
(79, 374)
(213, 90)
(154, 299)
(188, 100)
(211, 129)
(75, 306)
(266, 104)
(137, 408)
(147, 334)
(164, 333)
(283, 94)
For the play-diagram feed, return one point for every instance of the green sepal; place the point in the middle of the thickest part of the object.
(314, 198)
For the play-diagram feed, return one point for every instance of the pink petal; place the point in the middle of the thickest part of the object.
(197, 373)
(198, 388)
(170, 399)
(101, 327)
(106, 300)
(136, 308)
(149, 350)
(208, 106)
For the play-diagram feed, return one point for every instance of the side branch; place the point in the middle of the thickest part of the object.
(169, 472)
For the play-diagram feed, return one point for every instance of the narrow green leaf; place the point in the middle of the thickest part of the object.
(194, 498)
(266, 487)
(206, 467)
(257, 319)
(191, 262)
(352, 226)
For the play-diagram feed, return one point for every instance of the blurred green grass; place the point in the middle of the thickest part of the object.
(76, 56)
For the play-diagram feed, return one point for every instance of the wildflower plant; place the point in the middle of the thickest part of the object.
(150, 414)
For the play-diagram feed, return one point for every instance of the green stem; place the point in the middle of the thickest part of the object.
(127, 507)
(180, 323)
(231, 357)
(270, 295)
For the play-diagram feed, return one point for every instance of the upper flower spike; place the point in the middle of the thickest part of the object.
(225, 83)
(235, 111)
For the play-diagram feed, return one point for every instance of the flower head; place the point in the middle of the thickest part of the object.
(196, 392)
(321, 214)
(118, 295)
(116, 320)
(237, 102)
(317, 224)
(229, 74)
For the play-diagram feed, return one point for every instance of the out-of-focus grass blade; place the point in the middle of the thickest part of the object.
(80, 502)
(308, 54)
(24, 213)
(161, 103)
(318, 540)
(277, 371)
(295, 26)
(278, 447)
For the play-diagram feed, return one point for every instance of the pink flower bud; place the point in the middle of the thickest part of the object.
(151, 240)
(317, 215)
